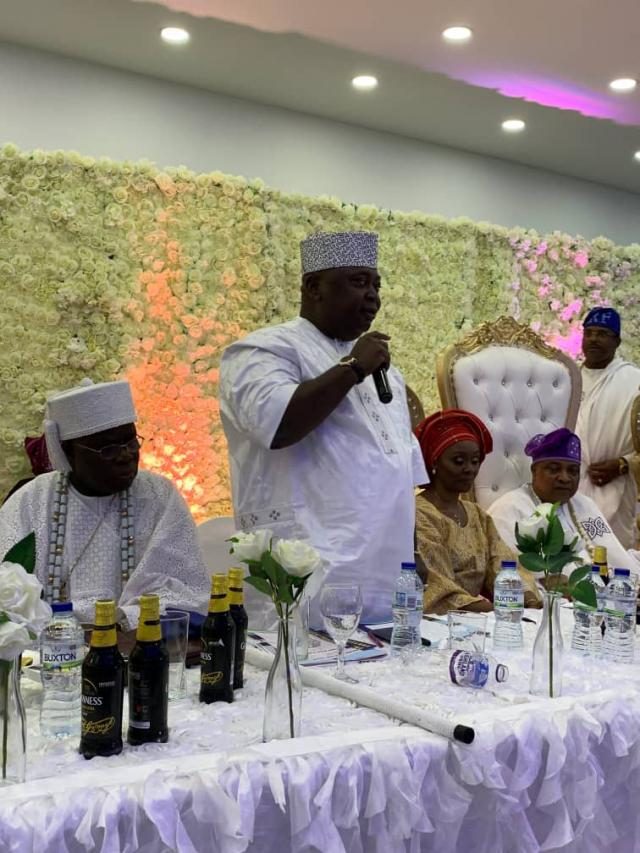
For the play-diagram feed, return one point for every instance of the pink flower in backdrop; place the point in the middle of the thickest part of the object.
(541, 248)
(530, 266)
(581, 259)
(570, 343)
(544, 290)
(572, 308)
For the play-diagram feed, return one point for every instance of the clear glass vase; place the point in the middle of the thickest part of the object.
(283, 695)
(546, 665)
(13, 724)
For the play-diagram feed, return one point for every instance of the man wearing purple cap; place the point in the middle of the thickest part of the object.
(555, 476)
(315, 454)
(609, 387)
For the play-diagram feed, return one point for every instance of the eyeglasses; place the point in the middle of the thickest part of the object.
(111, 451)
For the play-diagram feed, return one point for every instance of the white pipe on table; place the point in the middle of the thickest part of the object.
(368, 698)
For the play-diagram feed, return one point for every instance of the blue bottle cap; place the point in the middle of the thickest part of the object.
(62, 607)
(623, 573)
(509, 564)
(408, 567)
(595, 569)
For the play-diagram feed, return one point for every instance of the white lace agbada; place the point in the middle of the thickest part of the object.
(347, 487)
(580, 517)
(604, 427)
(167, 556)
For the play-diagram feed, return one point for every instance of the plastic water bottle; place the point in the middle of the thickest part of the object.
(62, 651)
(508, 605)
(587, 622)
(403, 635)
(620, 618)
(417, 614)
(475, 669)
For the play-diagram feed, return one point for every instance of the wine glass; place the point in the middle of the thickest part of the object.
(341, 607)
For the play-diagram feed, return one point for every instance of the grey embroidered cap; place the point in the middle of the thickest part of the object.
(340, 249)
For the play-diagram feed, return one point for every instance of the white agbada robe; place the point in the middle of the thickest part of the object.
(592, 529)
(604, 428)
(347, 487)
(167, 556)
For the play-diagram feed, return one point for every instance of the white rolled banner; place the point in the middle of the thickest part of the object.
(368, 698)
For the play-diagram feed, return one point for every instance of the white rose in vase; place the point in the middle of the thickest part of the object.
(14, 639)
(538, 520)
(20, 598)
(296, 557)
(251, 546)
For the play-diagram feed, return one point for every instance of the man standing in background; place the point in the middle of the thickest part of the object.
(314, 453)
(609, 386)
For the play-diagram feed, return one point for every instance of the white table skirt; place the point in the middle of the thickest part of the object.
(560, 775)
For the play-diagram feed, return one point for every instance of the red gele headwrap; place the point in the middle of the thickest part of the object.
(36, 448)
(442, 429)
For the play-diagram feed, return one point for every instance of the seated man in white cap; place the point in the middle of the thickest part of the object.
(314, 453)
(104, 529)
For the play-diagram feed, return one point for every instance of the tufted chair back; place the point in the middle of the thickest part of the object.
(635, 424)
(508, 376)
(416, 412)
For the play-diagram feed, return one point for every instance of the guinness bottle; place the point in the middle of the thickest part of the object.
(102, 687)
(600, 560)
(239, 616)
(218, 646)
(148, 678)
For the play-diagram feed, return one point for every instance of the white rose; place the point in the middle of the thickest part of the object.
(251, 546)
(20, 597)
(14, 639)
(298, 558)
(539, 520)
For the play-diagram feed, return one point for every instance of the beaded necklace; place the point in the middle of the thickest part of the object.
(57, 586)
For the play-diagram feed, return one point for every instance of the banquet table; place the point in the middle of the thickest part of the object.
(541, 774)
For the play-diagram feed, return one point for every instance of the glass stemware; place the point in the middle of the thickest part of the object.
(341, 608)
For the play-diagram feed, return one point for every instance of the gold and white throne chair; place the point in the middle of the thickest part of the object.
(519, 386)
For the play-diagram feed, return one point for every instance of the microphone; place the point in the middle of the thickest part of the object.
(382, 385)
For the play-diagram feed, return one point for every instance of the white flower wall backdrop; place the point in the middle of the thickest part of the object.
(110, 269)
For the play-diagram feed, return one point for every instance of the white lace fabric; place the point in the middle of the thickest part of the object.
(167, 556)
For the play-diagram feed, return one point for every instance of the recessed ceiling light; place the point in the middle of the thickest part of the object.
(636, 156)
(174, 35)
(623, 84)
(513, 125)
(364, 82)
(457, 34)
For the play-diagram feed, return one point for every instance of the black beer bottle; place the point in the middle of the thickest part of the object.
(102, 687)
(148, 678)
(239, 616)
(218, 646)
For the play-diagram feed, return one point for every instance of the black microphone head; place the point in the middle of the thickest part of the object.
(383, 388)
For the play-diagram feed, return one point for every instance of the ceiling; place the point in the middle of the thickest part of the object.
(548, 63)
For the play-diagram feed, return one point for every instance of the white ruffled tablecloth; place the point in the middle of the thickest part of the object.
(552, 775)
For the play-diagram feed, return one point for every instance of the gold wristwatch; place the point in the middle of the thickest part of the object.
(623, 466)
(352, 362)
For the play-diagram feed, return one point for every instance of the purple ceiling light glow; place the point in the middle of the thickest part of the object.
(553, 93)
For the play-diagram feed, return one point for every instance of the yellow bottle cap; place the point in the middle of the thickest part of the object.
(149, 607)
(105, 612)
(236, 576)
(599, 554)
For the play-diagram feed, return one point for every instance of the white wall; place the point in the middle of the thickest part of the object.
(48, 101)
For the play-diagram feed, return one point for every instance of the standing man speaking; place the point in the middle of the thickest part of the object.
(315, 454)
